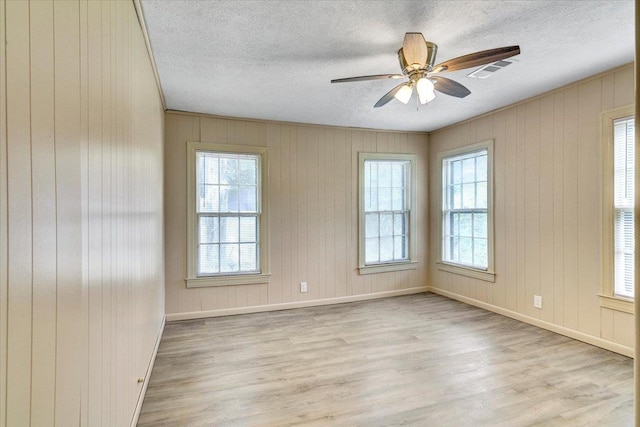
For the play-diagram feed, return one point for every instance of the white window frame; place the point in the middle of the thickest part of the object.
(451, 267)
(382, 267)
(193, 280)
(607, 295)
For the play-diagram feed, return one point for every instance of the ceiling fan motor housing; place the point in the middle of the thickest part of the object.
(407, 69)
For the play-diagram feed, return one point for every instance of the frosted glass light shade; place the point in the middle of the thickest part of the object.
(404, 94)
(425, 90)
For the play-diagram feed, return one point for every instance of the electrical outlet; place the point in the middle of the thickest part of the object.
(537, 301)
(303, 286)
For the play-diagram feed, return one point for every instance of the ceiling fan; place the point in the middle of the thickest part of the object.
(417, 57)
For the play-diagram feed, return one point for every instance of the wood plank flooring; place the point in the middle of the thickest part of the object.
(413, 360)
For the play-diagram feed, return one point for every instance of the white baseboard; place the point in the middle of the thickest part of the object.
(289, 305)
(571, 333)
(147, 376)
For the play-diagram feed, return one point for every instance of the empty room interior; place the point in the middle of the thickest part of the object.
(369, 213)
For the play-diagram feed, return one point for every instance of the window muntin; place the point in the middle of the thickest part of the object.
(386, 207)
(465, 215)
(623, 205)
(228, 213)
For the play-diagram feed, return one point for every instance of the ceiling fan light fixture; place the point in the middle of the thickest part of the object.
(404, 94)
(425, 90)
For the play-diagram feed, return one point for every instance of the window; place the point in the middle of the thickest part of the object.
(227, 225)
(467, 211)
(387, 213)
(619, 188)
(623, 200)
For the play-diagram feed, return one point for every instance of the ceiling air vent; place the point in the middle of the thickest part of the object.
(489, 69)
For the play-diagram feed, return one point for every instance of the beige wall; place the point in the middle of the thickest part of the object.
(81, 263)
(548, 214)
(313, 211)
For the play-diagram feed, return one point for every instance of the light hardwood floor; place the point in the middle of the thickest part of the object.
(414, 360)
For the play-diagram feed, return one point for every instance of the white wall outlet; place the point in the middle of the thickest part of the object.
(537, 301)
(303, 286)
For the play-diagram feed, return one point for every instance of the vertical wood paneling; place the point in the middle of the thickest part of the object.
(532, 206)
(19, 209)
(84, 134)
(4, 243)
(547, 206)
(43, 375)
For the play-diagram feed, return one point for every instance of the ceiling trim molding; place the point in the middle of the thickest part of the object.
(277, 122)
(542, 95)
(143, 26)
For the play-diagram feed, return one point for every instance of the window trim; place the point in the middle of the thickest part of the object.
(607, 296)
(489, 274)
(412, 262)
(195, 281)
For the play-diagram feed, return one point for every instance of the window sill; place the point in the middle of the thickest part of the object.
(487, 276)
(231, 280)
(616, 303)
(385, 268)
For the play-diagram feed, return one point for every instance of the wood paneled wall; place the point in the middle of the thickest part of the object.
(81, 246)
(313, 211)
(547, 205)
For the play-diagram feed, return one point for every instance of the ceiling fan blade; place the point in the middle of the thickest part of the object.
(414, 49)
(449, 87)
(363, 78)
(389, 95)
(478, 58)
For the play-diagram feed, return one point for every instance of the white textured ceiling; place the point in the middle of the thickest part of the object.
(274, 59)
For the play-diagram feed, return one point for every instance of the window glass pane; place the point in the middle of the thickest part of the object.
(397, 199)
(469, 170)
(400, 247)
(466, 250)
(229, 258)
(454, 229)
(248, 257)
(370, 199)
(208, 259)
(399, 221)
(386, 224)
(384, 199)
(208, 200)
(371, 250)
(228, 170)
(480, 257)
(248, 171)
(248, 202)
(457, 196)
(210, 173)
(209, 230)
(481, 195)
(480, 225)
(397, 174)
(481, 168)
(384, 174)
(454, 250)
(371, 225)
(229, 229)
(468, 196)
(386, 248)
(456, 175)
(228, 199)
(248, 229)
(465, 225)
(368, 175)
